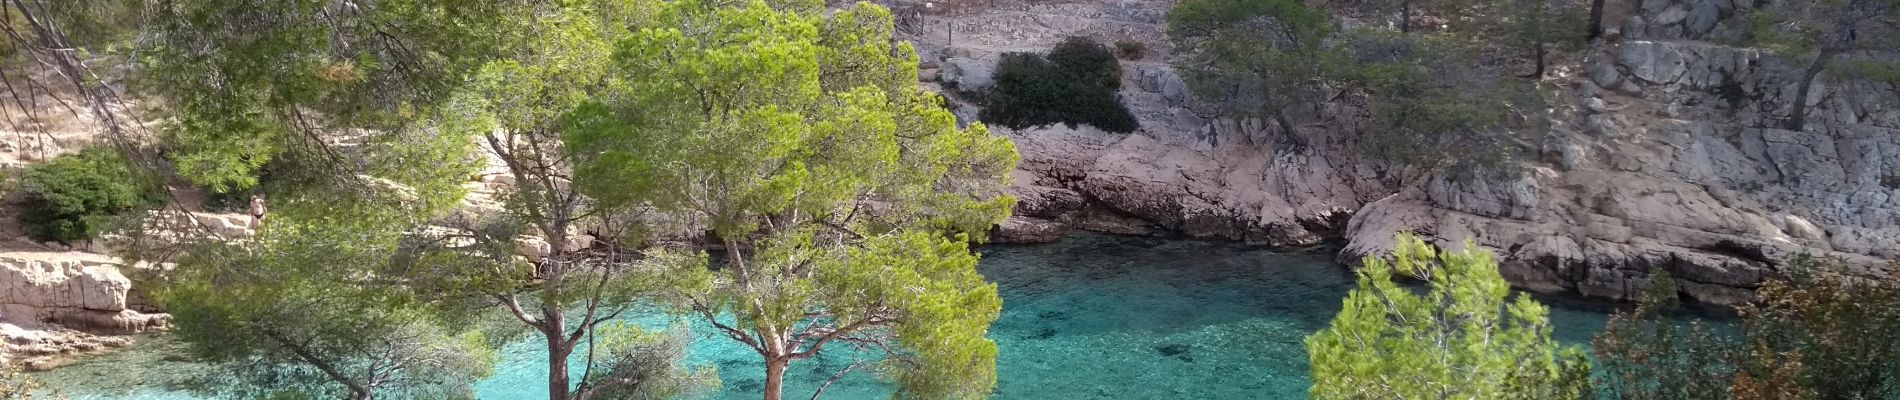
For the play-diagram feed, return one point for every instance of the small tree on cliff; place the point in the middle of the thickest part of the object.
(840, 194)
(1827, 32)
(1534, 26)
(1461, 340)
(1259, 57)
(1435, 115)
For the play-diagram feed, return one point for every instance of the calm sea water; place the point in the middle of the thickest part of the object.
(1091, 317)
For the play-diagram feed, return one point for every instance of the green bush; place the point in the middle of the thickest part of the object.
(1817, 330)
(1075, 83)
(1092, 62)
(70, 197)
(1129, 49)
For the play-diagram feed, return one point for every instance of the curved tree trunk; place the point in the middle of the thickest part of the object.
(1798, 116)
(1538, 56)
(1293, 138)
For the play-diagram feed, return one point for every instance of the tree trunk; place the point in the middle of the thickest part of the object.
(1596, 19)
(557, 366)
(1798, 117)
(775, 376)
(1538, 56)
(554, 327)
(1405, 16)
(1292, 136)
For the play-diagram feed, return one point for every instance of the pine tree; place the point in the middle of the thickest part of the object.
(840, 195)
(1460, 340)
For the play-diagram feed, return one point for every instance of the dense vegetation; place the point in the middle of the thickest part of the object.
(1460, 340)
(1074, 84)
(1276, 59)
(76, 196)
(772, 169)
(841, 197)
(1815, 333)
(296, 312)
(784, 134)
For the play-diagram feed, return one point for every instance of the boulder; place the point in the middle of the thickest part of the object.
(1701, 18)
(1029, 230)
(1604, 74)
(62, 280)
(968, 74)
(1652, 61)
(1163, 80)
(532, 247)
(1046, 202)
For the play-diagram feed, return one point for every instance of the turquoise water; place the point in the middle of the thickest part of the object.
(1091, 317)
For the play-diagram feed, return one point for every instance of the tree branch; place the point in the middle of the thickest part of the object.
(835, 377)
(836, 333)
(514, 307)
(321, 364)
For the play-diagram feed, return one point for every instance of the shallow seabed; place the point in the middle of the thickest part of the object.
(1091, 317)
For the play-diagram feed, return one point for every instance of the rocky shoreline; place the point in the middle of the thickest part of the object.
(54, 305)
(1663, 156)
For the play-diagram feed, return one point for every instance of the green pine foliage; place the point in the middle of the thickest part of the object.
(246, 82)
(650, 364)
(1437, 115)
(1075, 83)
(1465, 338)
(1649, 354)
(1816, 332)
(843, 194)
(75, 196)
(1255, 58)
(312, 308)
(1864, 34)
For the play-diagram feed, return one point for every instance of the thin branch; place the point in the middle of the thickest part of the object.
(835, 377)
(514, 307)
(837, 333)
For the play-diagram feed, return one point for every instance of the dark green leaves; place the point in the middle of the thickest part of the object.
(1074, 83)
(1464, 339)
(837, 187)
(71, 197)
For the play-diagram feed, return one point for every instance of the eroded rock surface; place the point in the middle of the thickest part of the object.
(1690, 172)
(1669, 152)
(53, 304)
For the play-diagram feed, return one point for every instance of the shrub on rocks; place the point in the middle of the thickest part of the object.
(1129, 49)
(71, 197)
(1074, 84)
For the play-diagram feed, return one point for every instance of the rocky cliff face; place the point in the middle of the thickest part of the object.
(1674, 160)
(44, 297)
(1666, 157)
(1189, 170)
